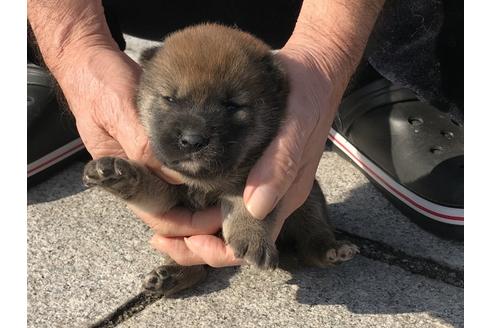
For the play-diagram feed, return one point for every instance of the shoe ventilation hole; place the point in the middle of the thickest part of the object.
(436, 150)
(415, 121)
(30, 100)
(447, 134)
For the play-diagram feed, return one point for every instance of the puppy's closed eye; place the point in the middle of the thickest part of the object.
(241, 116)
(231, 106)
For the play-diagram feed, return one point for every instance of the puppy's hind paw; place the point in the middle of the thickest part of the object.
(343, 252)
(170, 279)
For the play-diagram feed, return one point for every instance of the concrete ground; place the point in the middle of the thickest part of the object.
(87, 254)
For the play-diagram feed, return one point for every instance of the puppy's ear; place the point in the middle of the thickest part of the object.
(274, 67)
(148, 54)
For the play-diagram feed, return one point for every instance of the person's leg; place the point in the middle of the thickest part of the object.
(271, 21)
(419, 45)
(407, 135)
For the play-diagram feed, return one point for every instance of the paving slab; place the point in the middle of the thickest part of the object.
(87, 254)
(359, 293)
(356, 206)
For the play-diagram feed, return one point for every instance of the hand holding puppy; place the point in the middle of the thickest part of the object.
(98, 82)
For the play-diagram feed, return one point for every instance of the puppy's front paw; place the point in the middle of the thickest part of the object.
(114, 174)
(256, 250)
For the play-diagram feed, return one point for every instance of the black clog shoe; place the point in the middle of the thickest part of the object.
(52, 138)
(410, 150)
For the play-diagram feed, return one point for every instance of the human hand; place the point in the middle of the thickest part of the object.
(99, 86)
(284, 175)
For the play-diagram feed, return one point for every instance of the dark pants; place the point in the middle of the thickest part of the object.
(417, 44)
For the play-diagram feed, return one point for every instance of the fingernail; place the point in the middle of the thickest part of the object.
(172, 176)
(190, 244)
(262, 201)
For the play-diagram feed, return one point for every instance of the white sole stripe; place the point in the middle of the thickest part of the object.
(54, 157)
(434, 211)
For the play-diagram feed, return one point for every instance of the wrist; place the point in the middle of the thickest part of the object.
(78, 52)
(325, 57)
(65, 28)
(333, 35)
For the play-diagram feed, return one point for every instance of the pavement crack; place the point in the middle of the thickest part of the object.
(128, 309)
(369, 248)
(423, 266)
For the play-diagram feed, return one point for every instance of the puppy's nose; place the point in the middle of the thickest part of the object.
(191, 141)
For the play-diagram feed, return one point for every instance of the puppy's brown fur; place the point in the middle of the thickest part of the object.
(211, 99)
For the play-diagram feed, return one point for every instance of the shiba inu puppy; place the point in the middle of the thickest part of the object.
(211, 100)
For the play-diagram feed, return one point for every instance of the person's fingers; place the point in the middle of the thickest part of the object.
(276, 169)
(134, 140)
(119, 117)
(179, 222)
(170, 175)
(177, 249)
(195, 250)
(212, 250)
(100, 145)
(303, 184)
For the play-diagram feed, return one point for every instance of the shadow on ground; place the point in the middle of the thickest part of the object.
(364, 288)
(217, 279)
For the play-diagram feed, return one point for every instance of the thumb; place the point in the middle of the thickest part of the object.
(276, 170)
(212, 250)
(134, 140)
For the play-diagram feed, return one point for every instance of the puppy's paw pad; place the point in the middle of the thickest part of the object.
(157, 280)
(108, 171)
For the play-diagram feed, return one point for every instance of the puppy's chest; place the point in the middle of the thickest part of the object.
(197, 199)
(197, 195)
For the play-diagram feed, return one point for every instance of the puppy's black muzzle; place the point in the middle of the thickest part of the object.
(191, 141)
